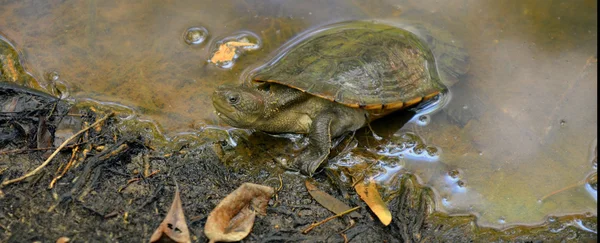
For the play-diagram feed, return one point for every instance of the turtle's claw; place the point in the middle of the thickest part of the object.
(310, 161)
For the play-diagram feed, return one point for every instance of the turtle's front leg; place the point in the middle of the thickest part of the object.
(319, 144)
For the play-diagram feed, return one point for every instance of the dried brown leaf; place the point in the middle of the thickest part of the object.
(233, 218)
(369, 194)
(173, 227)
(327, 201)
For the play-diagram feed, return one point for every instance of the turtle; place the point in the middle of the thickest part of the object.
(337, 80)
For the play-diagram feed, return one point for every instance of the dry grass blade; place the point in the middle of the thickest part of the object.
(233, 218)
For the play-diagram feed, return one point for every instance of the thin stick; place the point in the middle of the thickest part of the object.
(314, 225)
(14, 151)
(561, 190)
(55, 152)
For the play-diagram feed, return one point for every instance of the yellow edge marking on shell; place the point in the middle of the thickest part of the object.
(429, 96)
(373, 107)
(394, 106)
(413, 101)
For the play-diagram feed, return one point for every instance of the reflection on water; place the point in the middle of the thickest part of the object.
(517, 130)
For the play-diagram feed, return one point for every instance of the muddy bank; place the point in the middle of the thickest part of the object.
(120, 183)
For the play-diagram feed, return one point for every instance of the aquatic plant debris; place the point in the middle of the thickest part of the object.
(233, 218)
(369, 194)
(327, 201)
(173, 227)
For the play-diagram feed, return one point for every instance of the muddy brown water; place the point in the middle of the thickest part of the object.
(515, 142)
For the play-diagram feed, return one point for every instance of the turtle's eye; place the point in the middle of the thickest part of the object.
(233, 98)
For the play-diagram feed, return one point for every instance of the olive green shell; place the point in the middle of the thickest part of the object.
(359, 64)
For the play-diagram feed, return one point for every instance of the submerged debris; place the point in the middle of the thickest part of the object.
(233, 218)
(173, 228)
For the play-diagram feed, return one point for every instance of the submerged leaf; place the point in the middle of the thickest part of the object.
(173, 228)
(329, 202)
(369, 194)
(233, 217)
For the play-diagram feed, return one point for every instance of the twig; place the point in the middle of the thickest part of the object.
(64, 171)
(561, 190)
(137, 179)
(314, 225)
(36, 149)
(56, 152)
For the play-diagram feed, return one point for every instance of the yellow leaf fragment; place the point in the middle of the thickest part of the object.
(233, 218)
(224, 54)
(369, 194)
(226, 51)
(173, 228)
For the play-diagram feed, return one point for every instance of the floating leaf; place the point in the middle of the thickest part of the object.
(233, 217)
(329, 202)
(227, 51)
(369, 194)
(173, 227)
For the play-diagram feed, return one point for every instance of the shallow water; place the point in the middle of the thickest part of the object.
(520, 126)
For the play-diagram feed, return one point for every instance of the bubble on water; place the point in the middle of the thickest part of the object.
(556, 227)
(432, 151)
(57, 87)
(419, 149)
(551, 219)
(52, 76)
(502, 220)
(409, 140)
(592, 181)
(195, 35)
(453, 174)
(446, 202)
(423, 120)
(461, 184)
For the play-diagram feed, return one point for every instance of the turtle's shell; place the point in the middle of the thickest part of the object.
(366, 65)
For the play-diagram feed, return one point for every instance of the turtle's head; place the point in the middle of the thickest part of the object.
(238, 106)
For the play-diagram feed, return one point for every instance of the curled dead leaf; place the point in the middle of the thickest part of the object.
(173, 228)
(233, 218)
(369, 194)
